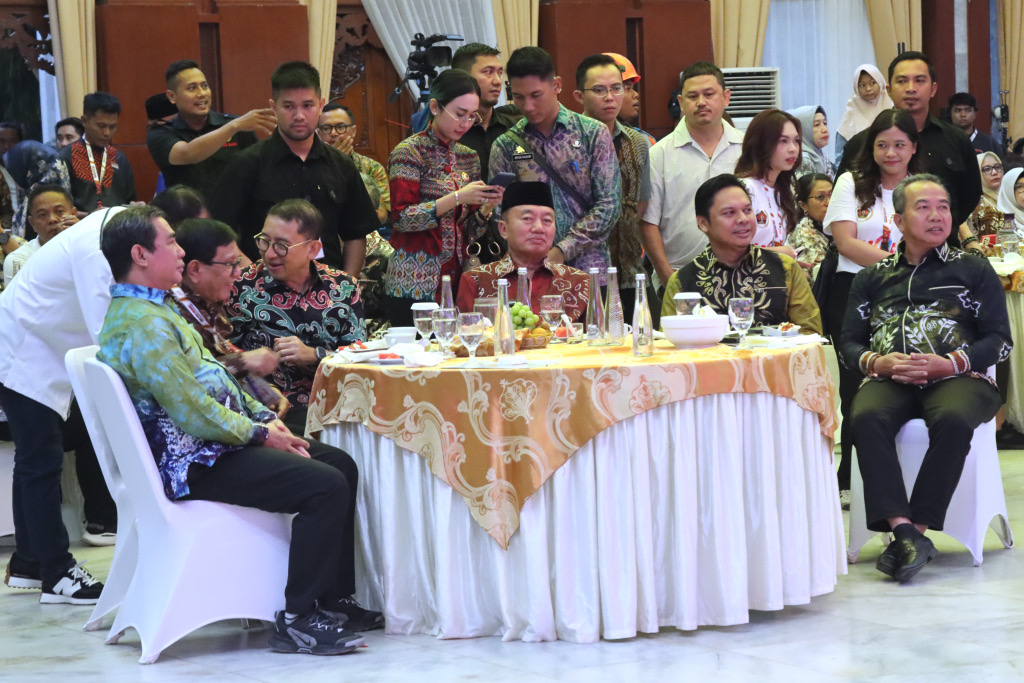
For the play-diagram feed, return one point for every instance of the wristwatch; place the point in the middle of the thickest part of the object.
(5, 237)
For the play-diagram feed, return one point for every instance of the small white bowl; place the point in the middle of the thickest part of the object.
(693, 331)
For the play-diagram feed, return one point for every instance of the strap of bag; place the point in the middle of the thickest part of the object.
(551, 173)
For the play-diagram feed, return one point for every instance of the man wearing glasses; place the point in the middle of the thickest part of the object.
(601, 91)
(338, 129)
(295, 306)
(213, 262)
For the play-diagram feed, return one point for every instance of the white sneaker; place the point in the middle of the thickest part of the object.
(76, 587)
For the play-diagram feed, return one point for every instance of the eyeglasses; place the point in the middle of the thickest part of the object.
(602, 90)
(994, 168)
(280, 248)
(233, 265)
(824, 196)
(338, 128)
(471, 117)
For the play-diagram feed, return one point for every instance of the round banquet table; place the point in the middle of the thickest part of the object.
(590, 494)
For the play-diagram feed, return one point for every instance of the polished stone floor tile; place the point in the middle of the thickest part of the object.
(953, 622)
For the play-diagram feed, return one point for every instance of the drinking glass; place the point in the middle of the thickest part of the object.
(445, 322)
(741, 315)
(471, 331)
(424, 322)
(487, 306)
(551, 310)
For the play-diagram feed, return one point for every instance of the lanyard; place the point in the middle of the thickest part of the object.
(97, 178)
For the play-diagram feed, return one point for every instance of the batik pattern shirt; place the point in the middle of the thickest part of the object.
(423, 168)
(774, 281)
(377, 173)
(327, 315)
(116, 186)
(550, 278)
(191, 409)
(811, 240)
(581, 151)
(951, 304)
(624, 243)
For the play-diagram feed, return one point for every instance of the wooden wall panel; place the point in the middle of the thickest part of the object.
(979, 66)
(660, 37)
(254, 40)
(937, 42)
(131, 65)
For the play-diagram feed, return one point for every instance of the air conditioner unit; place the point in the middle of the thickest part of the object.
(753, 90)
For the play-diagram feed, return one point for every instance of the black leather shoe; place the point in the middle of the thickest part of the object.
(887, 561)
(912, 556)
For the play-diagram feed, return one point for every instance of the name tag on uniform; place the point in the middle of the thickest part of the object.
(522, 157)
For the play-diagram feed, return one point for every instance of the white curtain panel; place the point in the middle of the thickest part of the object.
(397, 21)
(817, 44)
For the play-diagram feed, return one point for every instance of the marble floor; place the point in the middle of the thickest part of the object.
(954, 622)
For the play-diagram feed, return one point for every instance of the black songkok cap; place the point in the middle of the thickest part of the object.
(159, 106)
(524, 192)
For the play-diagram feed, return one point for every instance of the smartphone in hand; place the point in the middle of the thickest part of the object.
(502, 179)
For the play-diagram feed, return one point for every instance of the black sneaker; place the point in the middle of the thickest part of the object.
(22, 573)
(348, 613)
(76, 587)
(314, 634)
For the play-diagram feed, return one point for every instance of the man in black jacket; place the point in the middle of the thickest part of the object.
(923, 325)
(943, 148)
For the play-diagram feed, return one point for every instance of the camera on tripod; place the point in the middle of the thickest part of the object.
(423, 62)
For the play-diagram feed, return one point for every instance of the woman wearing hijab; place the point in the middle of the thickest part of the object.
(814, 125)
(980, 229)
(1011, 197)
(868, 101)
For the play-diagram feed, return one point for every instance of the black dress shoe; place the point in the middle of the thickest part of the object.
(887, 561)
(912, 555)
(1008, 438)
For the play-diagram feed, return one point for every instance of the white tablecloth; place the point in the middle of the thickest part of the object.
(738, 510)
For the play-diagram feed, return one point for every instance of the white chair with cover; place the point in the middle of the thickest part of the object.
(197, 562)
(977, 502)
(126, 551)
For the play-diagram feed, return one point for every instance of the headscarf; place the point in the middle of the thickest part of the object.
(814, 157)
(988, 193)
(859, 113)
(30, 163)
(1006, 203)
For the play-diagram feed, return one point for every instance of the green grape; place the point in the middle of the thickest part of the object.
(517, 320)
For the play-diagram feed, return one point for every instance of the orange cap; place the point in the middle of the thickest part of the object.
(629, 74)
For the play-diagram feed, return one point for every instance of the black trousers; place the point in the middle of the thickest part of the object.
(952, 409)
(98, 505)
(849, 377)
(399, 310)
(39, 532)
(320, 489)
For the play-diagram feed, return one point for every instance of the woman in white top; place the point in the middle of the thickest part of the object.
(860, 220)
(770, 153)
(869, 99)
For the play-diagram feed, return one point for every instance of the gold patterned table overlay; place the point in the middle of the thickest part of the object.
(496, 435)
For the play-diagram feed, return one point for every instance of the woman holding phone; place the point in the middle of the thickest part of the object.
(438, 202)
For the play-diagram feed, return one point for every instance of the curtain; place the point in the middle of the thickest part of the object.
(73, 32)
(516, 24)
(1011, 66)
(322, 16)
(821, 71)
(397, 21)
(893, 22)
(737, 31)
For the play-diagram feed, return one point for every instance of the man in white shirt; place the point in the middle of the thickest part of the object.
(50, 211)
(57, 303)
(702, 146)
